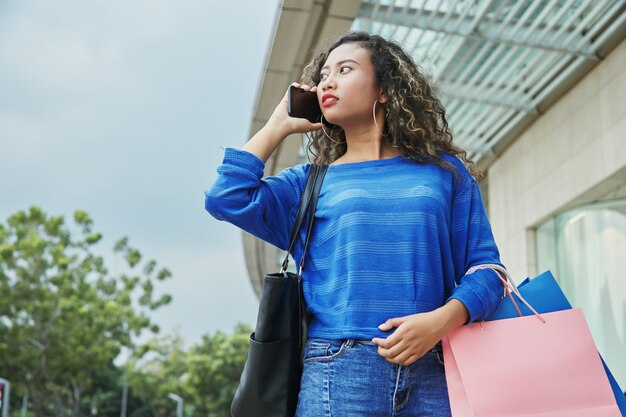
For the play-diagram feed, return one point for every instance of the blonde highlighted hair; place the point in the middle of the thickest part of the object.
(415, 119)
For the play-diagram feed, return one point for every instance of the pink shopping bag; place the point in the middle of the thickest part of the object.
(541, 366)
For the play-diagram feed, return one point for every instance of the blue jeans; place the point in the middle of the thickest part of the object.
(348, 378)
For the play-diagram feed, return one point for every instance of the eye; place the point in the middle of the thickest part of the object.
(341, 70)
(323, 76)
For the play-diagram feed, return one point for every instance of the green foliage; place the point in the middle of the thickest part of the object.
(63, 316)
(156, 371)
(214, 368)
(205, 376)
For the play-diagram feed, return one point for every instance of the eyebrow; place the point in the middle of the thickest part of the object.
(341, 62)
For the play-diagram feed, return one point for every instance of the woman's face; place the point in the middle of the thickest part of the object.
(347, 88)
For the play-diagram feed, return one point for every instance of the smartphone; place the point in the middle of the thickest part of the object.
(304, 104)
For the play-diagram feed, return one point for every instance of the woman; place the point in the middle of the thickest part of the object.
(399, 223)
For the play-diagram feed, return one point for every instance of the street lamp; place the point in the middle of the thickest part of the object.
(5, 390)
(179, 403)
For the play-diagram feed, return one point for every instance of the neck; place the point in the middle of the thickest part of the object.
(368, 150)
(366, 143)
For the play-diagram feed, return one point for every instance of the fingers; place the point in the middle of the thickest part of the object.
(412, 338)
(404, 361)
(381, 342)
(392, 352)
(391, 323)
(399, 348)
(401, 355)
(393, 345)
(389, 341)
(393, 338)
(305, 87)
(386, 326)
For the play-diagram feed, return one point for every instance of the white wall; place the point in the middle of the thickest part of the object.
(570, 154)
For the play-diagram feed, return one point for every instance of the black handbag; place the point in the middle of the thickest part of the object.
(270, 381)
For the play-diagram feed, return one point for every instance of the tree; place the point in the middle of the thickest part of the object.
(62, 314)
(213, 370)
(156, 370)
(206, 375)
(103, 397)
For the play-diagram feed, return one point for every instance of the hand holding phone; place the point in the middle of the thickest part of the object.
(303, 104)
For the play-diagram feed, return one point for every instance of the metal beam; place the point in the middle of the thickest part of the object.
(436, 21)
(472, 28)
(479, 95)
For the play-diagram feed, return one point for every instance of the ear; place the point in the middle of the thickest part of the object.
(382, 97)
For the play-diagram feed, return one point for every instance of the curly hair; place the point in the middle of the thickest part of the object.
(415, 119)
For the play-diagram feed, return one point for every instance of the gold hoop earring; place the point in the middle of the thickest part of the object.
(324, 130)
(376, 123)
(374, 113)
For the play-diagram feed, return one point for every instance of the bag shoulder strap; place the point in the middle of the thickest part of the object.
(311, 190)
(313, 207)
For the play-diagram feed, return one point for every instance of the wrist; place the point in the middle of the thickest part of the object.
(277, 129)
(452, 315)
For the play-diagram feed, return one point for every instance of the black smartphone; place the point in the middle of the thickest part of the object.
(304, 104)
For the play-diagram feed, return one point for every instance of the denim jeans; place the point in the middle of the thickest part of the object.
(348, 378)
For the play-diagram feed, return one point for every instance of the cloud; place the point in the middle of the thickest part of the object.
(210, 286)
(59, 55)
(121, 109)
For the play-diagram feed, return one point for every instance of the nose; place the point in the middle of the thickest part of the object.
(327, 83)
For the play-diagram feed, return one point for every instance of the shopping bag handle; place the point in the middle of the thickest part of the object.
(509, 288)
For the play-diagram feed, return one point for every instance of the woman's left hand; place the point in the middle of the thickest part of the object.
(414, 336)
(418, 333)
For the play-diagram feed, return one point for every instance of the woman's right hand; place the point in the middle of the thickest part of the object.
(286, 124)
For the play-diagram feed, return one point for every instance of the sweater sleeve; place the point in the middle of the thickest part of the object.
(473, 244)
(265, 207)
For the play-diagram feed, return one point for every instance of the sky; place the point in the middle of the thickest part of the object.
(122, 109)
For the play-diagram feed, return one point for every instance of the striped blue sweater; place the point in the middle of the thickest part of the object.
(392, 237)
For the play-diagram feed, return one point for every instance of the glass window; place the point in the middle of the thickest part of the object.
(585, 248)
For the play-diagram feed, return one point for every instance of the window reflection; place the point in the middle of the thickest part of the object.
(583, 248)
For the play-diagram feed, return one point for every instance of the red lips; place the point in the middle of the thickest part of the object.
(328, 100)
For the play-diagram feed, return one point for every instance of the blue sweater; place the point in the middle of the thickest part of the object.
(391, 238)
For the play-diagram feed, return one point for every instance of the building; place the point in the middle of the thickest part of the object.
(536, 91)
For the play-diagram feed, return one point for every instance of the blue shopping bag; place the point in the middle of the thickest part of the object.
(545, 295)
